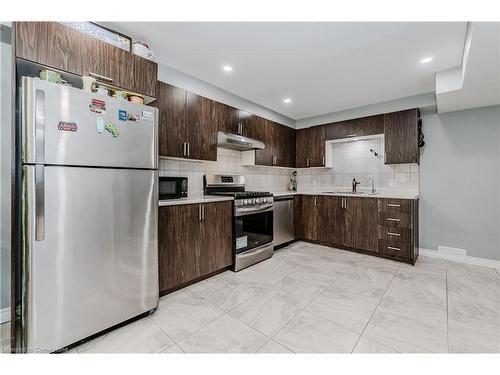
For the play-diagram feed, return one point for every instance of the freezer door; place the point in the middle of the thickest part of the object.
(67, 126)
(93, 263)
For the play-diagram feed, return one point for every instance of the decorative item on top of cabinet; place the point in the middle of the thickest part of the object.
(186, 124)
(193, 242)
(58, 46)
(401, 137)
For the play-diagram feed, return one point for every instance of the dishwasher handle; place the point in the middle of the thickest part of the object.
(283, 198)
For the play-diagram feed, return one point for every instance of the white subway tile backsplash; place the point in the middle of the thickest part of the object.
(348, 166)
(402, 168)
(350, 160)
(359, 165)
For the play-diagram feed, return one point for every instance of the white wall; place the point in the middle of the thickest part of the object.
(460, 182)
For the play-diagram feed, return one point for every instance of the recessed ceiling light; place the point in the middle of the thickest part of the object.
(227, 68)
(287, 100)
(426, 60)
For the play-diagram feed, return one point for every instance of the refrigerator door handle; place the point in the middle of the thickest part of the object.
(39, 127)
(39, 203)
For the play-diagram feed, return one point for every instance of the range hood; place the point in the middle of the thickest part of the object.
(238, 142)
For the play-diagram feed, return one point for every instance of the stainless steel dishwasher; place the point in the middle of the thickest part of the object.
(283, 220)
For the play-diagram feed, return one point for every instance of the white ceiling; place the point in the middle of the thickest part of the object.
(477, 82)
(324, 67)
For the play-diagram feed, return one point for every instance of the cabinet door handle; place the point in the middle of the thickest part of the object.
(183, 148)
(393, 205)
(345, 202)
(393, 234)
(188, 149)
(101, 77)
(315, 201)
(199, 213)
(394, 248)
(341, 202)
(393, 219)
(323, 160)
(203, 213)
(307, 162)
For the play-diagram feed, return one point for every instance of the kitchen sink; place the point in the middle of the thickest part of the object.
(348, 192)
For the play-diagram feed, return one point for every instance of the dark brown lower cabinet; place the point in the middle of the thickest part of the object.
(309, 217)
(332, 220)
(215, 251)
(363, 220)
(387, 227)
(178, 229)
(193, 241)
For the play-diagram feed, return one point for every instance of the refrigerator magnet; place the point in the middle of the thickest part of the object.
(134, 117)
(147, 115)
(97, 106)
(110, 127)
(67, 126)
(99, 125)
(122, 115)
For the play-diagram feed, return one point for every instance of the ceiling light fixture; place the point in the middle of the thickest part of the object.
(227, 68)
(426, 60)
(287, 100)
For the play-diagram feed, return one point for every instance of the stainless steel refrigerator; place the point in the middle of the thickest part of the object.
(90, 204)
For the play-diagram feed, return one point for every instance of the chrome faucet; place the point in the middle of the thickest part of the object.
(373, 184)
(354, 185)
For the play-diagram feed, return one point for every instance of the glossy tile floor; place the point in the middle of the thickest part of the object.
(315, 299)
(5, 338)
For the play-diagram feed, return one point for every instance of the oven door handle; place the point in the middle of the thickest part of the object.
(252, 210)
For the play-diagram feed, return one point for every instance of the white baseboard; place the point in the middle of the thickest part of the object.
(461, 258)
(5, 315)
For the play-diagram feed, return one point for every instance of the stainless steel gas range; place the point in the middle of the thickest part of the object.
(252, 218)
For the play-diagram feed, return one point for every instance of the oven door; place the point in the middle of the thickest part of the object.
(253, 227)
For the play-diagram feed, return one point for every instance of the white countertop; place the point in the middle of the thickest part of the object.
(380, 193)
(194, 199)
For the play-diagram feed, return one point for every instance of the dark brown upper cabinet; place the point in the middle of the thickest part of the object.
(264, 132)
(401, 137)
(310, 147)
(246, 124)
(235, 121)
(171, 104)
(55, 45)
(284, 146)
(226, 118)
(186, 124)
(201, 131)
(355, 128)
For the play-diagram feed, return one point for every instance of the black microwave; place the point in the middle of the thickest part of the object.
(173, 187)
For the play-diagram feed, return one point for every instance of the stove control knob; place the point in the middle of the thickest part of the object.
(258, 200)
(245, 201)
